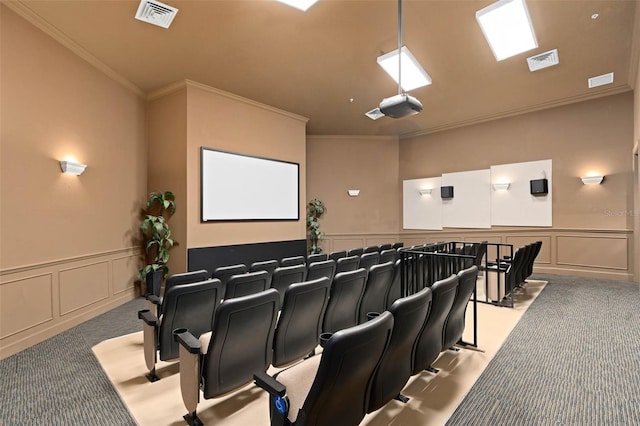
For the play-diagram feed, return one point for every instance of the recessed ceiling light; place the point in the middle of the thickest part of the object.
(302, 5)
(595, 16)
(413, 75)
(600, 80)
(507, 27)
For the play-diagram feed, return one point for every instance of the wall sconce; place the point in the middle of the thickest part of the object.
(353, 192)
(500, 186)
(72, 168)
(425, 191)
(592, 180)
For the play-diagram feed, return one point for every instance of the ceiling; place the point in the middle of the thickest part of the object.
(321, 64)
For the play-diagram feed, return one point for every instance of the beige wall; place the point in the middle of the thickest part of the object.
(336, 164)
(167, 163)
(68, 242)
(635, 65)
(591, 135)
(187, 116)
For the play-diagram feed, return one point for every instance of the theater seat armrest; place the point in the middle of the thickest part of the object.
(154, 299)
(146, 316)
(189, 342)
(268, 383)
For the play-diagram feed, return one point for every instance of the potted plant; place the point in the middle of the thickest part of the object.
(157, 237)
(315, 210)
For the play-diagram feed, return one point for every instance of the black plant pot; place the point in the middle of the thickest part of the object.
(154, 282)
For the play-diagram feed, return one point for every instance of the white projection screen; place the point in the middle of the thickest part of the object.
(241, 187)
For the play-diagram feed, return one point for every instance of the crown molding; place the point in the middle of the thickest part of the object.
(39, 22)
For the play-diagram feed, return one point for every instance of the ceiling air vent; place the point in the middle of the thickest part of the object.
(156, 13)
(543, 60)
(600, 80)
(374, 114)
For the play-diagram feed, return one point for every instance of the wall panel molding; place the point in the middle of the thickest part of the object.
(25, 303)
(129, 250)
(40, 301)
(596, 253)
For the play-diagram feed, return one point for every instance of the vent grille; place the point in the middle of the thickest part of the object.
(600, 80)
(543, 60)
(156, 13)
(374, 114)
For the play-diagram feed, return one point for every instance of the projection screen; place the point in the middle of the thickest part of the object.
(241, 187)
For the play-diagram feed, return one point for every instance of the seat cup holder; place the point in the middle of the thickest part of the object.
(372, 315)
(324, 338)
(178, 331)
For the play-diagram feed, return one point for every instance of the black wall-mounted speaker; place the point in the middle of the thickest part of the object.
(539, 187)
(446, 192)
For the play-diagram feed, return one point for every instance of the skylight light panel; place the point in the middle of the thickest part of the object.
(507, 27)
(413, 75)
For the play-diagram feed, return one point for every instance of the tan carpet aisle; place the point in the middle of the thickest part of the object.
(433, 397)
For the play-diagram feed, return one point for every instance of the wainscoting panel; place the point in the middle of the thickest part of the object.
(593, 251)
(125, 271)
(347, 243)
(83, 285)
(25, 303)
(39, 301)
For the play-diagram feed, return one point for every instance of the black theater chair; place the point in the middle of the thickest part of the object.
(376, 290)
(177, 279)
(371, 249)
(293, 261)
(223, 273)
(316, 257)
(347, 264)
(502, 277)
(397, 245)
(358, 251)
(317, 270)
(429, 343)
(300, 323)
(335, 255)
(332, 388)
(388, 255)
(344, 301)
(409, 314)
(395, 289)
(284, 276)
(383, 247)
(239, 346)
(454, 325)
(265, 265)
(189, 306)
(367, 260)
(245, 284)
(536, 252)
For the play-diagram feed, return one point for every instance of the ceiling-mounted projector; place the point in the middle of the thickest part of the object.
(399, 106)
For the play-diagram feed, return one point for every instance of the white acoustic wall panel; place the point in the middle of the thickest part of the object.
(421, 211)
(516, 206)
(470, 206)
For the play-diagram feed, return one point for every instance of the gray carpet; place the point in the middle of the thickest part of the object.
(60, 382)
(573, 359)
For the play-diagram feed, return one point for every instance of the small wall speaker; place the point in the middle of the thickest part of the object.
(446, 192)
(539, 186)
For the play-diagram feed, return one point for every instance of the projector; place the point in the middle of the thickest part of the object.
(400, 106)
